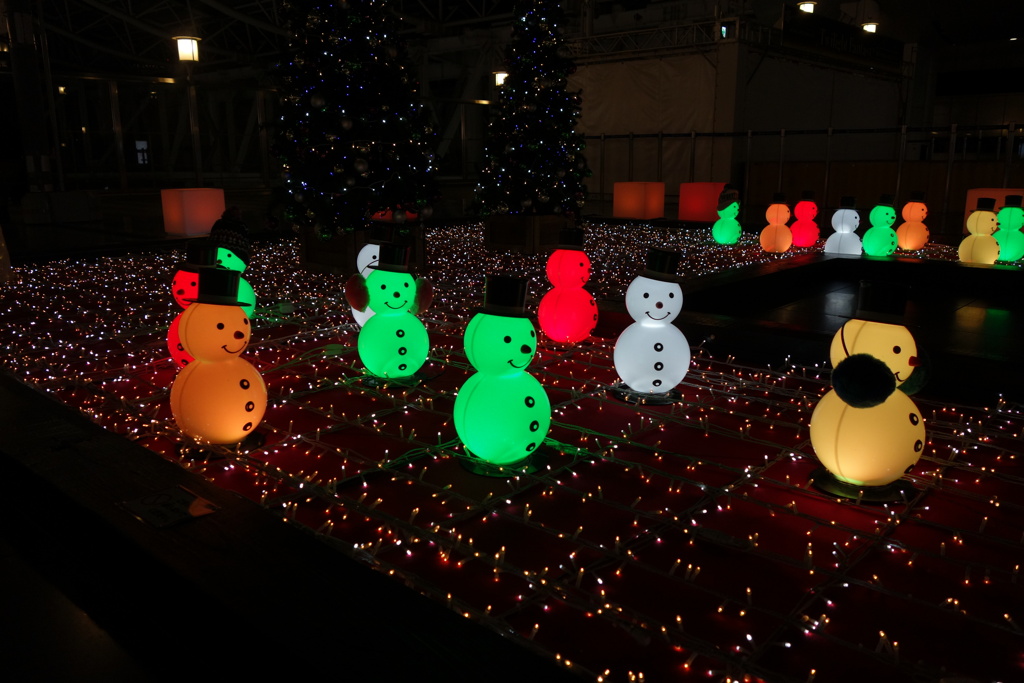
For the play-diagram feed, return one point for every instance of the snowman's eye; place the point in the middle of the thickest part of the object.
(220, 326)
(532, 333)
(383, 286)
(245, 321)
(671, 295)
(406, 284)
(646, 295)
(508, 340)
(896, 349)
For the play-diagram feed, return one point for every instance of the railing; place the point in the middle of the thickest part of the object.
(864, 163)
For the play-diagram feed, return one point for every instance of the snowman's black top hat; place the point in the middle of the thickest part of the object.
(505, 295)
(231, 233)
(662, 264)
(729, 195)
(1013, 200)
(779, 198)
(986, 204)
(570, 238)
(848, 202)
(917, 196)
(807, 195)
(218, 286)
(882, 302)
(886, 200)
(393, 258)
(199, 254)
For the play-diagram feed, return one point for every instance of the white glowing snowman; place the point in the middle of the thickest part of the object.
(652, 355)
(366, 259)
(844, 221)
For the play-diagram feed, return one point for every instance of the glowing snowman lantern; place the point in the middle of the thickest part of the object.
(219, 397)
(776, 237)
(913, 234)
(366, 259)
(393, 343)
(727, 229)
(1009, 236)
(652, 355)
(804, 229)
(865, 433)
(502, 413)
(199, 254)
(878, 331)
(980, 246)
(568, 313)
(880, 239)
(845, 222)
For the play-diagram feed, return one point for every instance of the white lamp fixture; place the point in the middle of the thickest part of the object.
(870, 26)
(188, 48)
(499, 77)
(806, 7)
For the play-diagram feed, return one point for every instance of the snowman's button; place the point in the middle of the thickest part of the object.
(918, 445)
(180, 347)
(534, 426)
(244, 384)
(402, 350)
(247, 426)
(530, 402)
(250, 406)
(531, 447)
(400, 333)
(656, 382)
(659, 366)
(659, 347)
(403, 366)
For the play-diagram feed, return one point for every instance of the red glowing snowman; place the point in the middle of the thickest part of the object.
(568, 313)
(185, 288)
(805, 229)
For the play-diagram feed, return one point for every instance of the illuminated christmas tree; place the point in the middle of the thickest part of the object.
(534, 158)
(353, 138)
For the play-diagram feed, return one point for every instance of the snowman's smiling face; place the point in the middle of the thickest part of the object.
(211, 332)
(568, 268)
(185, 287)
(391, 292)
(845, 220)
(369, 255)
(228, 259)
(499, 343)
(653, 301)
(883, 216)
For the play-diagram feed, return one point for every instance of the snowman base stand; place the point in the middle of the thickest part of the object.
(425, 374)
(528, 465)
(894, 492)
(645, 398)
(198, 451)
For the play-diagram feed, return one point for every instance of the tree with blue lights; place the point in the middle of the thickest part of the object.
(353, 138)
(534, 158)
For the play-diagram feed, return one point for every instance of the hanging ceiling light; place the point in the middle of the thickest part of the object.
(188, 48)
(806, 7)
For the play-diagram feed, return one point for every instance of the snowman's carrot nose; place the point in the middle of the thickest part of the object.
(913, 361)
(239, 335)
(659, 305)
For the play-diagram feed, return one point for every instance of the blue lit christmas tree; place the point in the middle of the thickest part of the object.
(534, 158)
(353, 138)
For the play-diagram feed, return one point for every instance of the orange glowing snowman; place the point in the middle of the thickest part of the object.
(220, 397)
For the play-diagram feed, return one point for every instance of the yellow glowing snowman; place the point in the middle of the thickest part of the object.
(220, 397)
(894, 345)
(980, 246)
(864, 431)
